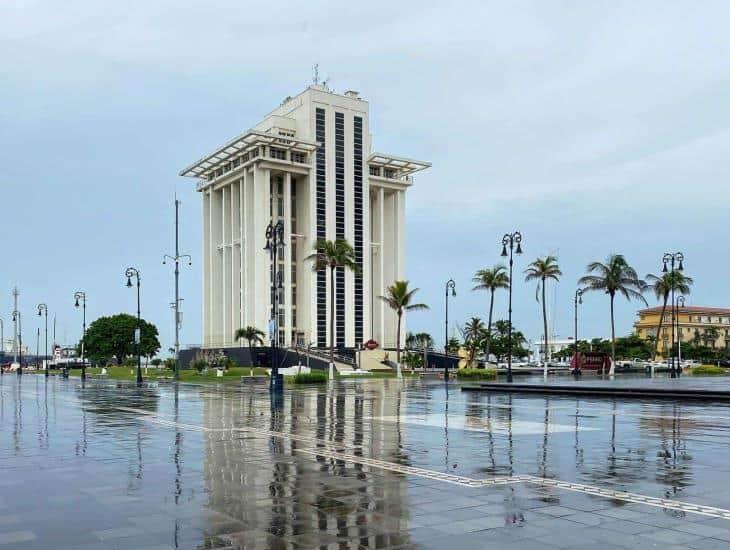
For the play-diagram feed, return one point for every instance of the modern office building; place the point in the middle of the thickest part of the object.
(310, 164)
(707, 326)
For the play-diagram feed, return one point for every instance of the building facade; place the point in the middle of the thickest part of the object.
(310, 165)
(707, 326)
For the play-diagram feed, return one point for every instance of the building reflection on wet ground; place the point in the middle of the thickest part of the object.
(355, 464)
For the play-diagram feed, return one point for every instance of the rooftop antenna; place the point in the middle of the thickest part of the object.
(315, 78)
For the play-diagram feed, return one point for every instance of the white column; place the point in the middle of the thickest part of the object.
(260, 263)
(216, 268)
(242, 249)
(289, 243)
(225, 269)
(380, 290)
(206, 268)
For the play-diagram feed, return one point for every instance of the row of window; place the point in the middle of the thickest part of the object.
(274, 153)
(321, 197)
(358, 224)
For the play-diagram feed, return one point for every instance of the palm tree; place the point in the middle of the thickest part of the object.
(491, 280)
(474, 333)
(662, 287)
(253, 336)
(541, 270)
(333, 255)
(616, 276)
(399, 298)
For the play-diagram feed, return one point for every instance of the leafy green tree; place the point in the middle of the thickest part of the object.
(253, 336)
(452, 346)
(420, 341)
(491, 280)
(400, 299)
(333, 255)
(710, 336)
(500, 341)
(112, 337)
(616, 276)
(662, 287)
(541, 270)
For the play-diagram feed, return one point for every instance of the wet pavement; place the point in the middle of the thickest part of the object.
(356, 464)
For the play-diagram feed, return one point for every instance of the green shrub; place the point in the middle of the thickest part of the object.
(476, 374)
(314, 377)
(156, 362)
(710, 370)
(199, 365)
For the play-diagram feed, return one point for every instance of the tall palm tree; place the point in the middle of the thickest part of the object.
(616, 276)
(491, 279)
(333, 255)
(253, 336)
(541, 270)
(400, 299)
(662, 287)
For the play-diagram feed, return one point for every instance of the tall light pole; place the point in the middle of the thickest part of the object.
(680, 303)
(450, 289)
(176, 306)
(43, 309)
(18, 324)
(80, 300)
(511, 241)
(577, 300)
(134, 272)
(274, 240)
(675, 262)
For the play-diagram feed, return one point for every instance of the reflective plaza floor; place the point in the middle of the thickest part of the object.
(355, 464)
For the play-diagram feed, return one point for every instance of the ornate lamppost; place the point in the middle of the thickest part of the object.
(680, 304)
(577, 300)
(511, 241)
(675, 262)
(450, 289)
(43, 309)
(133, 272)
(80, 300)
(275, 240)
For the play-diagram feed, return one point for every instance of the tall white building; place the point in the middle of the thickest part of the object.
(309, 163)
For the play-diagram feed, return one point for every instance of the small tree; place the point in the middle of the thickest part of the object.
(491, 280)
(113, 337)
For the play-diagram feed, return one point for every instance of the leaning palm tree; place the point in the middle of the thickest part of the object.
(662, 287)
(491, 279)
(541, 270)
(333, 255)
(252, 335)
(399, 298)
(616, 276)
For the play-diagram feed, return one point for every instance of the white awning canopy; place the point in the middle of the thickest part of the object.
(242, 144)
(404, 166)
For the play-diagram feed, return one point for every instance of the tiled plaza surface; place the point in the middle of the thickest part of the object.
(355, 464)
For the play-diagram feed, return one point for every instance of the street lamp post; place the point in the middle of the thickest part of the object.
(450, 289)
(680, 303)
(17, 319)
(675, 262)
(274, 240)
(81, 296)
(43, 309)
(2, 342)
(176, 258)
(133, 272)
(511, 241)
(577, 300)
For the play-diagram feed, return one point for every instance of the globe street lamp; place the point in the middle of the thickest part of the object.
(80, 296)
(133, 272)
(511, 241)
(43, 309)
(17, 319)
(675, 262)
(450, 289)
(275, 240)
(577, 300)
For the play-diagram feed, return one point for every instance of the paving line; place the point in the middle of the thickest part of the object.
(334, 452)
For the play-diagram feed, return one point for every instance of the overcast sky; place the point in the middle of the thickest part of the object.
(593, 127)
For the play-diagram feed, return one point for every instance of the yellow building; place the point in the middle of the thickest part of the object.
(709, 326)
